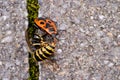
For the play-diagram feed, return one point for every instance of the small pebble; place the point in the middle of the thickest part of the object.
(8, 32)
(110, 64)
(62, 73)
(25, 49)
(4, 17)
(7, 39)
(5, 79)
(26, 60)
(25, 13)
(118, 36)
(62, 41)
(0, 63)
(26, 22)
(119, 77)
(59, 51)
(101, 17)
(110, 34)
(83, 44)
(91, 17)
(18, 62)
(106, 62)
(99, 33)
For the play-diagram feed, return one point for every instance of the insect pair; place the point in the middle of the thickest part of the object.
(44, 49)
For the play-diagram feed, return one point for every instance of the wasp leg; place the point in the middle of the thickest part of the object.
(36, 44)
(55, 40)
(40, 37)
(36, 40)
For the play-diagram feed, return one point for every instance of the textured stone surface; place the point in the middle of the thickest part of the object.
(13, 19)
(89, 40)
(89, 49)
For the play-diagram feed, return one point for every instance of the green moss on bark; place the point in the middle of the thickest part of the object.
(32, 8)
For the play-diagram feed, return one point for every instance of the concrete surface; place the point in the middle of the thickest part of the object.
(89, 40)
(13, 47)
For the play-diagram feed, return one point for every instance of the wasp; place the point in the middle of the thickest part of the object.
(43, 50)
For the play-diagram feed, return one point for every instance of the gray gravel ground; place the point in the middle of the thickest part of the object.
(89, 49)
(13, 48)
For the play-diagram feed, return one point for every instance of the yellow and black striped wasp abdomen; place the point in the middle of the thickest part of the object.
(43, 53)
(42, 49)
